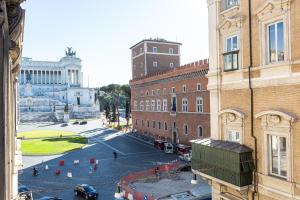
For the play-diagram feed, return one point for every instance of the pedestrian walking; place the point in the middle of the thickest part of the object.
(115, 154)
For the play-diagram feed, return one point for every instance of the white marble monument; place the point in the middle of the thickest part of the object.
(47, 87)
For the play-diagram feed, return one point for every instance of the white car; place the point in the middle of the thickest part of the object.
(186, 157)
(169, 148)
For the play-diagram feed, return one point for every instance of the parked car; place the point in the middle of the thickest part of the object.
(186, 157)
(50, 198)
(182, 149)
(85, 191)
(83, 122)
(169, 148)
(159, 144)
(64, 124)
(24, 192)
(76, 122)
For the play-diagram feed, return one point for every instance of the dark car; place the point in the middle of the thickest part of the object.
(63, 125)
(83, 122)
(50, 198)
(24, 192)
(76, 122)
(86, 191)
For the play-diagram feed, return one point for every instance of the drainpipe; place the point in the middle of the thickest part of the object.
(251, 102)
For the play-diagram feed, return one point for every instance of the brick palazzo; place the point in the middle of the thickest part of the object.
(173, 105)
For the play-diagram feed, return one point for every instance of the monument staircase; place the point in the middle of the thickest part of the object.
(33, 117)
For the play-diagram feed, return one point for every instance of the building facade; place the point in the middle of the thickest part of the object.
(47, 87)
(254, 84)
(151, 56)
(172, 105)
(11, 39)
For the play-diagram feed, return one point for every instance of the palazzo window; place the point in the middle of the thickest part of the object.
(148, 124)
(135, 105)
(185, 129)
(184, 88)
(200, 131)
(276, 129)
(199, 87)
(158, 91)
(277, 155)
(276, 42)
(184, 105)
(165, 105)
(199, 104)
(233, 136)
(142, 105)
(232, 125)
(153, 105)
(159, 125)
(174, 104)
(158, 105)
(147, 105)
(231, 55)
(173, 89)
(166, 126)
(153, 124)
(154, 49)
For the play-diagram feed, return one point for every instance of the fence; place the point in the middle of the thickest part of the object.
(130, 193)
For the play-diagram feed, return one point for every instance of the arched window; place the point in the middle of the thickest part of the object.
(166, 126)
(185, 129)
(200, 131)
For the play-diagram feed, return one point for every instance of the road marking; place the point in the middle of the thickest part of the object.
(101, 142)
(139, 141)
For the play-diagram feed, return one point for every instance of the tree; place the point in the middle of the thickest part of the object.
(115, 97)
(127, 93)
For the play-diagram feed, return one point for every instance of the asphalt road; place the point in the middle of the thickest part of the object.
(133, 156)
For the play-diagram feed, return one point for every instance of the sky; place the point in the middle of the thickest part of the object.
(102, 31)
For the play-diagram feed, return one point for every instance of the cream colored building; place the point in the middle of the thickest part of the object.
(254, 84)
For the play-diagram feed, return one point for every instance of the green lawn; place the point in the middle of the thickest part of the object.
(44, 134)
(52, 146)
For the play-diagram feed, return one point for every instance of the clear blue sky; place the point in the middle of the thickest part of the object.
(101, 32)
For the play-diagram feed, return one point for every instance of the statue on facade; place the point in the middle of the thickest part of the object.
(69, 52)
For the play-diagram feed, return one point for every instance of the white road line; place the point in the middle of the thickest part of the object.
(139, 141)
(111, 147)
